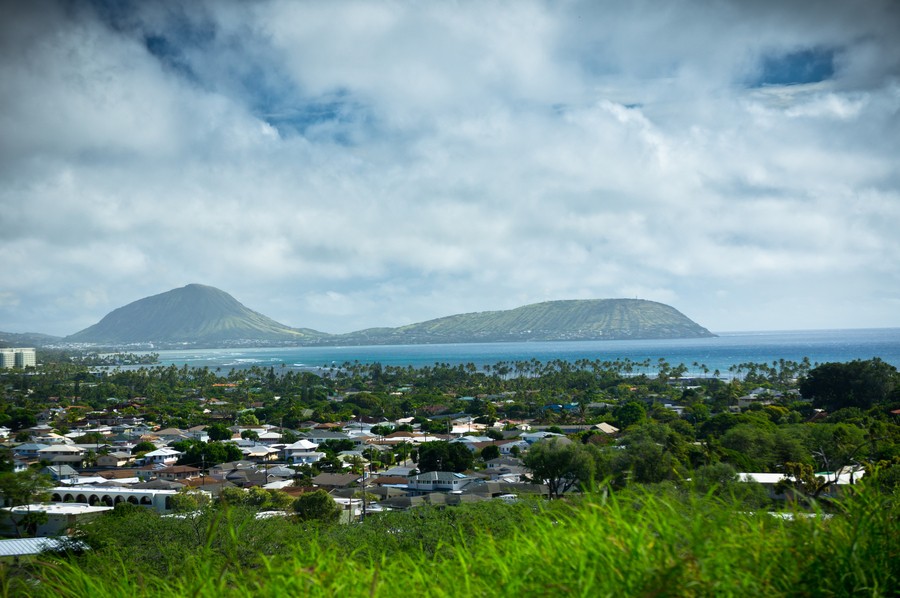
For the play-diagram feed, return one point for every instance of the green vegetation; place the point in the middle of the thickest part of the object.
(656, 508)
(605, 319)
(205, 316)
(194, 313)
(636, 543)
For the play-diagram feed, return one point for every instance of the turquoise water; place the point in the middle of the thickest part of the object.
(717, 353)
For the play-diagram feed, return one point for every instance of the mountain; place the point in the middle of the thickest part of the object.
(195, 314)
(590, 319)
(204, 316)
(26, 339)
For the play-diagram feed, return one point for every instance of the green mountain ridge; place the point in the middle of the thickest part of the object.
(201, 315)
(26, 339)
(191, 314)
(587, 319)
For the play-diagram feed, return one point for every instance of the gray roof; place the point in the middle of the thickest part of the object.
(59, 470)
(23, 546)
(440, 476)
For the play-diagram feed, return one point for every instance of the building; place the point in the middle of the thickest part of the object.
(17, 358)
(60, 518)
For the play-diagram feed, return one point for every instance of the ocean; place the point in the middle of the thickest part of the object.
(719, 353)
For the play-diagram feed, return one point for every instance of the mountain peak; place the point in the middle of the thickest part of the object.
(202, 315)
(194, 313)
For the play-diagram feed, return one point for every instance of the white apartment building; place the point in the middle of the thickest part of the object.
(17, 357)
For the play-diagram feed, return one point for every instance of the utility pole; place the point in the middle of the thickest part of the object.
(363, 516)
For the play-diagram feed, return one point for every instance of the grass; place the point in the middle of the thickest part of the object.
(632, 544)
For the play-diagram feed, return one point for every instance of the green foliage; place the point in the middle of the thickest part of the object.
(720, 480)
(189, 500)
(858, 383)
(635, 543)
(317, 506)
(561, 464)
(492, 451)
(444, 456)
(256, 498)
(207, 454)
(24, 488)
(629, 413)
(143, 447)
(247, 419)
(219, 432)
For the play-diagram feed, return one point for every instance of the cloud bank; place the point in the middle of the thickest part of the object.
(346, 165)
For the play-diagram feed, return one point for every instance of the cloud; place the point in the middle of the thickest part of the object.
(341, 166)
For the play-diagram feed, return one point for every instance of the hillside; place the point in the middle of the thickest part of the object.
(593, 319)
(26, 339)
(205, 316)
(194, 314)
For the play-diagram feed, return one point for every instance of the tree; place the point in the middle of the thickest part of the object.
(25, 488)
(219, 432)
(858, 383)
(444, 456)
(247, 419)
(491, 451)
(317, 506)
(629, 413)
(749, 447)
(494, 433)
(143, 447)
(189, 500)
(721, 480)
(560, 464)
(208, 453)
(250, 435)
(259, 499)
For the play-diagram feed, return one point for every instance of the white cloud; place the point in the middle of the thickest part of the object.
(340, 166)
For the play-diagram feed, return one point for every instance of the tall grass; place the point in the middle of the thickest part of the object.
(630, 544)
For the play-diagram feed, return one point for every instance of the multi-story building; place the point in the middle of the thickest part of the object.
(7, 358)
(17, 357)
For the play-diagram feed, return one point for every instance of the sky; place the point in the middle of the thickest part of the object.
(344, 165)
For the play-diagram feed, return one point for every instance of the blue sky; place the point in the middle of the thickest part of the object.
(346, 165)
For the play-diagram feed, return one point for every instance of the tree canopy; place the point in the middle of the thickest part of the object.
(858, 383)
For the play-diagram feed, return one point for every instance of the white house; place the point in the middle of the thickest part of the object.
(439, 481)
(164, 456)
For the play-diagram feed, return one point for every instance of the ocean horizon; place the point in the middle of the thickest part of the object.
(720, 353)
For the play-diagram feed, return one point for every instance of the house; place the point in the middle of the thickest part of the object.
(61, 453)
(165, 456)
(29, 450)
(302, 451)
(270, 437)
(500, 462)
(532, 437)
(386, 480)
(170, 435)
(512, 446)
(61, 473)
(318, 437)
(606, 428)
(223, 469)
(177, 472)
(260, 453)
(115, 459)
(51, 438)
(438, 481)
(61, 517)
(305, 457)
(330, 481)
